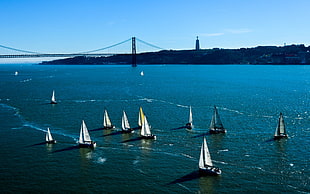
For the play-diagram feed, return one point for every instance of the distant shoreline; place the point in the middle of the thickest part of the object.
(262, 55)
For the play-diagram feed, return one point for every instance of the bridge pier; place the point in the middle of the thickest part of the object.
(133, 52)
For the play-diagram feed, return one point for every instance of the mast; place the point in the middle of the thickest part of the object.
(216, 122)
(190, 118)
(205, 158)
(48, 136)
(84, 135)
(145, 131)
(106, 119)
(141, 117)
(280, 130)
(125, 122)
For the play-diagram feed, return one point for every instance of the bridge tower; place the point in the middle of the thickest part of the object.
(197, 44)
(133, 52)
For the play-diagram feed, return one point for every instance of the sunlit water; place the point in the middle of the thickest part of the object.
(249, 100)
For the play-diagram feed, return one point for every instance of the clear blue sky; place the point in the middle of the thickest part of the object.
(55, 26)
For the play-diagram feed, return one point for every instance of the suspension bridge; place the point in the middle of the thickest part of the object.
(91, 53)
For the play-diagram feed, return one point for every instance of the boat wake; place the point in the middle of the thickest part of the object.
(101, 160)
(188, 156)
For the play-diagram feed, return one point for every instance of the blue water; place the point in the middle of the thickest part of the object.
(249, 100)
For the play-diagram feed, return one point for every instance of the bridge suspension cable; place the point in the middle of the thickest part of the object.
(149, 44)
(19, 50)
(92, 51)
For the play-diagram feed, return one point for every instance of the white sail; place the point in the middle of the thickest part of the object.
(141, 117)
(280, 130)
(106, 119)
(146, 130)
(84, 135)
(205, 158)
(216, 122)
(48, 135)
(190, 117)
(53, 99)
(125, 122)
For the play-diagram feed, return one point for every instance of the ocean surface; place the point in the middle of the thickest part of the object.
(249, 100)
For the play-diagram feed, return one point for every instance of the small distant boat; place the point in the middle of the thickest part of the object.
(205, 163)
(84, 140)
(142, 73)
(190, 125)
(125, 124)
(216, 125)
(53, 99)
(146, 130)
(48, 137)
(107, 124)
(280, 130)
(140, 118)
(16, 73)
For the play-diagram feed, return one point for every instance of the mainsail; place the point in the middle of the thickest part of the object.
(205, 158)
(84, 135)
(125, 122)
(53, 99)
(106, 120)
(190, 117)
(216, 122)
(146, 130)
(48, 135)
(141, 117)
(280, 130)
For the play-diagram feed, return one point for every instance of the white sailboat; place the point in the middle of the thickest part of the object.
(146, 130)
(216, 125)
(205, 163)
(280, 130)
(48, 137)
(125, 124)
(84, 140)
(107, 124)
(190, 125)
(53, 99)
(140, 117)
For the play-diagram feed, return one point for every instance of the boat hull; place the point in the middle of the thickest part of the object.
(149, 137)
(189, 126)
(51, 142)
(128, 131)
(217, 131)
(210, 170)
(87, 145)
(110, 127)
(53, 102)
(279, 137)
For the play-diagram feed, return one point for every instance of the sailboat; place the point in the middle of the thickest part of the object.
(141, 117)
(48, 137)
(107, 124)
(53, 99)
(125, 124)
(205, 163)
(280, 130)
(84, 140)
(216, 125)
(146, 130)
(190, 125)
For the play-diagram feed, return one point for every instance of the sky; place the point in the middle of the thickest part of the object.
(71, 26)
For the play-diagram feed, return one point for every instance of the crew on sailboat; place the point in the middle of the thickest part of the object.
(205, 163)
(280, 130)
(146, 130)
(84, 140)
(107, 124)
(53, 99)
(216, 125)
(190, 125)
(48, 137)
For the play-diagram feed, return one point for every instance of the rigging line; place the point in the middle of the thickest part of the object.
(19, 50)
(105, 47)
(149, 44)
